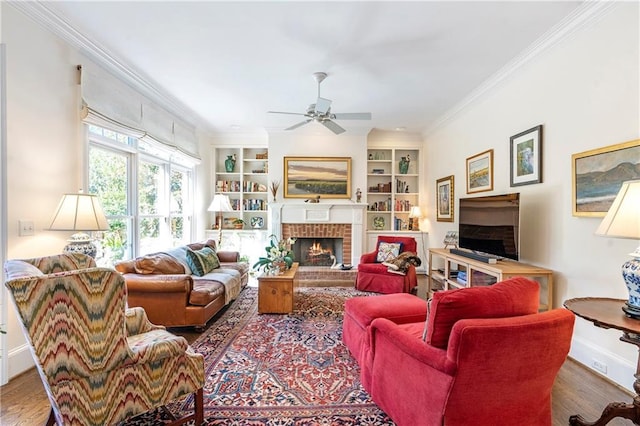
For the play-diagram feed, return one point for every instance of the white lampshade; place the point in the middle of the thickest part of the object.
(623, 218)
(220, 203)
(415, 212)
(79, 212)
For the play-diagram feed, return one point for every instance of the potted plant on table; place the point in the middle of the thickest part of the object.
(279, 256)
(238, 223)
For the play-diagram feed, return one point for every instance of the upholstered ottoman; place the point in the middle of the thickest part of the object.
(359, 312)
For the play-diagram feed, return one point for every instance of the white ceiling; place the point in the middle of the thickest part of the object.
(227, 63)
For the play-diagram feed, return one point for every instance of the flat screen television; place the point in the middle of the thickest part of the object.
(490, 225)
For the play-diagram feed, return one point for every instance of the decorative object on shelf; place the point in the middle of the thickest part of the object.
(262, 155)
(279, 256)
(257, 222)
(238, 223)
(623, 221)
(414, 219)
(444, 199)
(378, 222)
(79, 212)
(480, 172)
(358, 195)
(451, 239)
(593, 197)
(220, 204)
(404, 164)
(526, 157)
(329, 177)
(275, 184)
(230, 163)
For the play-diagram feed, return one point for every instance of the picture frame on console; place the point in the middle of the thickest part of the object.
(480, 172)
(317, 177)
(444, 199)
(597, 176)
(525, 150)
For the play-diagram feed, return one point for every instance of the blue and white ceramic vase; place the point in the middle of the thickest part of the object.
(631, 275)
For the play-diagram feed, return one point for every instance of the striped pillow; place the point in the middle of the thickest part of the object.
(202, 261)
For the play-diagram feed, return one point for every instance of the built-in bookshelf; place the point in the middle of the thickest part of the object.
(392, 187)
(245, 183)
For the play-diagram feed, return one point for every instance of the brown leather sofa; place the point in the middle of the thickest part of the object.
(163, 284)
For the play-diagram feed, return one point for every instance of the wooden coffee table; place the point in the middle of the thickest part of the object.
(275, 292)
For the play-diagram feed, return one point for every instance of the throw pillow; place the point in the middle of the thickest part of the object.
(202, 261)
(388, 251)
(20, 269)
(158, 263)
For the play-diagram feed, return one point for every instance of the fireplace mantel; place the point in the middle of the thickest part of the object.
(322, 213)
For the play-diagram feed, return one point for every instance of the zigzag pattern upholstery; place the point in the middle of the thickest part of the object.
(100, 362)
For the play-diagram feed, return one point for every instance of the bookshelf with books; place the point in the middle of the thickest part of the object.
(242, 174)
(392, 187)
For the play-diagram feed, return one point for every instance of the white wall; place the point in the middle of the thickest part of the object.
(45, 149)
(585, 93)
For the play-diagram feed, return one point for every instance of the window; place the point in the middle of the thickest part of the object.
(146, 194)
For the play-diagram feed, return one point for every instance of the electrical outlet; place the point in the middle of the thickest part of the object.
(26, 228)
(599, 366)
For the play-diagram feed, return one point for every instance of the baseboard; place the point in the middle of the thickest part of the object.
(619, 371)
(20, 360)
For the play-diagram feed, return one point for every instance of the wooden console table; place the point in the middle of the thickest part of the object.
(275, 292)
(607, 313)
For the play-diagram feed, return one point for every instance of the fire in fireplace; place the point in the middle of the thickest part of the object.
(318, 251)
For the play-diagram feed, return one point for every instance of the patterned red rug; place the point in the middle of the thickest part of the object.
(282, 370)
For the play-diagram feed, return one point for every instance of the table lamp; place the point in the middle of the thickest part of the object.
(79, 212)
(623, 221)
(220, 204)
(414, 218)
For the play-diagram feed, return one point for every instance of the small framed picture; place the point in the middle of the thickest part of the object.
(451, 239)
(444, 200)
(526, 157)
(480, 172)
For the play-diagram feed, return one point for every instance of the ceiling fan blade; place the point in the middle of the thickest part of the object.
(281, 112)
(295, 126)
(352, 116)
(332, 126)
(323, 105)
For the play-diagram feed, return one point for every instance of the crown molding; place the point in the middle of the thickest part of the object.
(43, 15)
(581, 17)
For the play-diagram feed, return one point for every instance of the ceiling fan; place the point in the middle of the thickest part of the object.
(320, 112)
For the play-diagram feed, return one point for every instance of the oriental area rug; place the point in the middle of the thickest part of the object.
(281, 370)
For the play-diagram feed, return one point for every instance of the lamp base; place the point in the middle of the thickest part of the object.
(631, 275)
(81, 243)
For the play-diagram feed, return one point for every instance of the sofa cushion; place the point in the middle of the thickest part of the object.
(205, 291)
(513, 297)
(202, 261)
(180, 254)
(387, 251)
(158, 263)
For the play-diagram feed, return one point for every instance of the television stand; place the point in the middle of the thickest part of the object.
(486, 258)
(461, 271)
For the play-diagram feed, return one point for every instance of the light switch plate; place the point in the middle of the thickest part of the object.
(26, 228)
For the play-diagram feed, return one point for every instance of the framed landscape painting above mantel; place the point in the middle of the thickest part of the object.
(598, 175)
(317, 177)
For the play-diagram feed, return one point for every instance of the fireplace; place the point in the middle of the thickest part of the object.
(318, 251)
(322, 220)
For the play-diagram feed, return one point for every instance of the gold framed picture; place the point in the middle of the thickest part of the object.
(444, 199)
(480, 172)
(597, 176)
(317, 177)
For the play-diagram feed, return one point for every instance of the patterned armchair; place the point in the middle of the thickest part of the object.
(100, 363)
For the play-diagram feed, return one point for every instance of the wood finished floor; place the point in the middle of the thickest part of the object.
(577, 390)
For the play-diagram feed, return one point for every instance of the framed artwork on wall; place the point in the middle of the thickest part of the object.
(526, 157)
(480, 172)
(317, 177)
(597, 176)
(444, 199)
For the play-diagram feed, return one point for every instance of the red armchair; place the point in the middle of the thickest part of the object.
(373, 275)
(488, 359)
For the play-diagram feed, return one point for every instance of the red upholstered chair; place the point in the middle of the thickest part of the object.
(373, 275)
(488, 359)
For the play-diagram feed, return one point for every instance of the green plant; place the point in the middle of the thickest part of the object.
(238, 221)
(277, 251)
